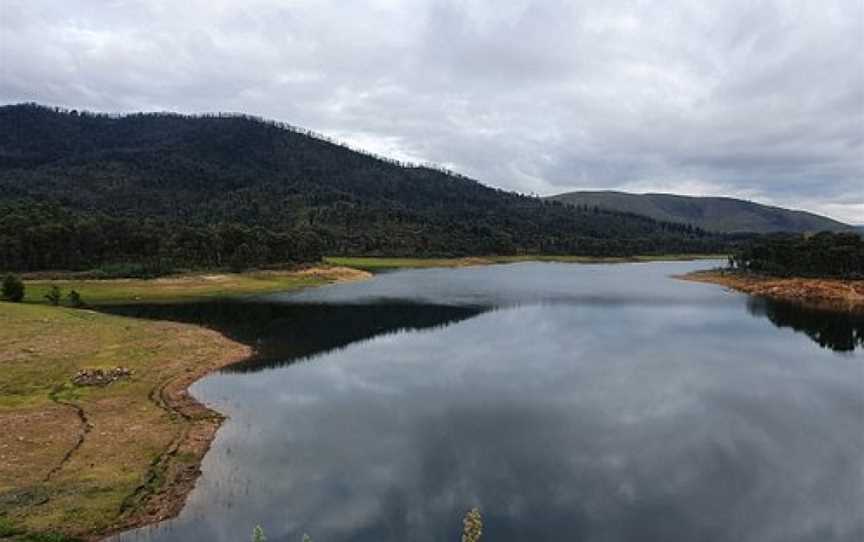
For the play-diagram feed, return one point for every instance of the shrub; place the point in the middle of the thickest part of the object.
(74, 299)
(54, 295)
(13, 288)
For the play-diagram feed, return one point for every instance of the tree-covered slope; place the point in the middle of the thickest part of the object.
(710, 213)
(79, 190)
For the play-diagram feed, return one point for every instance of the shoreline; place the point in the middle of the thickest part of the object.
(69, 469)
(70, 472)
(830, 294)
(151, 505)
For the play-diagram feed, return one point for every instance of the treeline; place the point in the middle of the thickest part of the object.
(90, 190)
(39, 237)
(829, 255)
(36, 237)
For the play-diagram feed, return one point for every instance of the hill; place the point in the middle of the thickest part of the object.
(80, 190)
(710, 213)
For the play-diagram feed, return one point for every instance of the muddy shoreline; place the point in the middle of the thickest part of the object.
(153, 502)
(830, 294)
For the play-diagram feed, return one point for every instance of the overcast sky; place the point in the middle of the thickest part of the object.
(761, 100)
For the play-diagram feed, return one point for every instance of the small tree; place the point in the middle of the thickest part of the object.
(13, 288)
(54, 295)
(74, 299)
(258, 534)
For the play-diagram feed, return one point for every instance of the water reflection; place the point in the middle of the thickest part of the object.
(282, 333)
(838, 331)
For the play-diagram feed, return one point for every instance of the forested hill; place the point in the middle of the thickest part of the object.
(710, 213)
(81, 190)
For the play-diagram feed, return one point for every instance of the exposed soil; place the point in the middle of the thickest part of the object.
(163, 493)
(835, 294)
(335, 273)
(35, 442)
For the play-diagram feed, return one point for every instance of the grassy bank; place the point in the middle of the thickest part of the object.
(384, 264)
(84, 460)
(67, 462)
(189, 287)
(834, 294)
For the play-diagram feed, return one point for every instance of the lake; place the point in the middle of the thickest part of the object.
(567, 402)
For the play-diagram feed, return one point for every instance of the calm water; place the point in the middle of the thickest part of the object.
(568, 402)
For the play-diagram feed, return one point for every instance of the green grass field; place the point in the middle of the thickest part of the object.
(182, 287)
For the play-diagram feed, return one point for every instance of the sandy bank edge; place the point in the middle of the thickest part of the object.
(830, 294)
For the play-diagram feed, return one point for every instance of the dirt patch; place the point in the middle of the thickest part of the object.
(335, 273)
(192, 278)
(35, 441)
(472, 261)
(215, 277)
(834, 294)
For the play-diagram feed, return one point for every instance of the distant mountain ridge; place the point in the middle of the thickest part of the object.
(718, 214)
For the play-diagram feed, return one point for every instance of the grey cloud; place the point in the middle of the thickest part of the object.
(761, 99)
